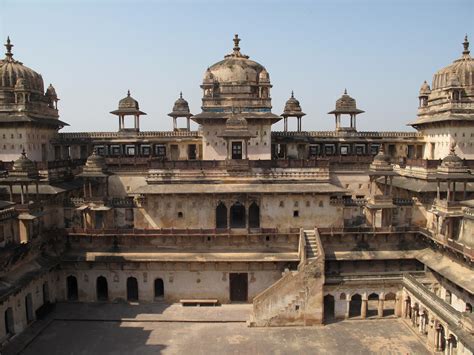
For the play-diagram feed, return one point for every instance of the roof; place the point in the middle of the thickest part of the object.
(418, 185)
(318, 188)
(45, 189)
(447, 267)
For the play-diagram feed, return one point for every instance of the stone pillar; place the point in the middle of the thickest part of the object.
(380, 308)
(348, 307)
(363, 309)
(188, 123)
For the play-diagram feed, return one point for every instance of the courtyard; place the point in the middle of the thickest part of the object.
(173, 329)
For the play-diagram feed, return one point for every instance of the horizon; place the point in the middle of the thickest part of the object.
(92, 67)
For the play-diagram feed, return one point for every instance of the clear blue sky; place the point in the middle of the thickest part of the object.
(93, 51)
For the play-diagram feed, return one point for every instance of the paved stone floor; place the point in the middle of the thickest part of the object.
(140, 332)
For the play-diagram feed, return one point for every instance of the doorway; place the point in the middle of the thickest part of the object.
(72, 294)
(132, 289)
(9, 322)
(254, 216)
(221, 216)
(29, 308)
(328, 307)
(102, 289)
(238, 287)
(159, 289)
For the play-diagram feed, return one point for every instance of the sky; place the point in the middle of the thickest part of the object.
(94, 51)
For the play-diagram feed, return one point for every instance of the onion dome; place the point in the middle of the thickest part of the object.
(95, 166)
(346, 104)
(180, 108)
(128, 106)
(293, 108)
(425, 89)
(12, 70)
(462, 67)
(381, 162)
(24, 167)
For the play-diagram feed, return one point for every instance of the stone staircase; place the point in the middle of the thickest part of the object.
(297, 298)
(311, 244)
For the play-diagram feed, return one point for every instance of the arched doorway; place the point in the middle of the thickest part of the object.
(102, 289)
(9, 322)
(389, 304)
(45, 292)
(72, 293)
(328, 308)
(237, 216)
(159, 289)
(221, 216)
(355, 305)
(132, 289)
(372, 305)
(468, 308)
(254, 216)
(29, 308)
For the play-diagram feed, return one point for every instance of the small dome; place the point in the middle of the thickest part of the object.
(12, 70)
(25, 166)
(180, 108)
(128, 103)
(292, 107)
(346, 104)
(425, 89)
(462, 67)
(381, 162)
(51, 91)
(208, 76)
(452, 159)
(95, 165)
(264, 77)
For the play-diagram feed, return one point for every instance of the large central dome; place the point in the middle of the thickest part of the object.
(236, 68)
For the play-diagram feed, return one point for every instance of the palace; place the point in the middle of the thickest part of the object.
(308, 226)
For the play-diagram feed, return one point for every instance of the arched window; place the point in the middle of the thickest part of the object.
(221, 216)
(72, 294)
(102, 289)
(132, 289)
(389, 304)
(237, 216)
(372, 304)
(159, 289)
(9, 322)
(342, 296)
(254, 216)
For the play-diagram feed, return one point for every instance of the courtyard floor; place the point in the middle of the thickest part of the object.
(173, 329)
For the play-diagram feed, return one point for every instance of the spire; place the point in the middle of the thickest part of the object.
(292, 94)
(128, 93)
(180, 94)
(466, 46)
(23, 153)
(345, 91)
(236, 43)
(9, 47)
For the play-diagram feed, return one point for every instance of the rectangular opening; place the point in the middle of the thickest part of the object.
(238, 287)
(236, 150)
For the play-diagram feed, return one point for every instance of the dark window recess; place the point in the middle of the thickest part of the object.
(296, 213)
(160, 150)
(236, 150)
(192, 152)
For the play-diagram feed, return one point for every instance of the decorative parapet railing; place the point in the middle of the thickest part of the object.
(348, 202)
(351, 134)
(221, 164)
(145, 134)
(49, 165)
(402, 201)
(172, 231)
(8, 213)
(469, 211)
(445, 311)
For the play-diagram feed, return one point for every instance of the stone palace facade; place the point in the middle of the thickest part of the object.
(309, 226)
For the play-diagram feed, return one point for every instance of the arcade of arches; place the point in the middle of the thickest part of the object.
(239, 215)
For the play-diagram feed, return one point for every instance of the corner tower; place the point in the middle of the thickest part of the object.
(236, 87)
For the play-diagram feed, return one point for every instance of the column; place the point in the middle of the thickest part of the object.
(285, 124)
(448, 196)
(348, 307)
(21, 194)
(188, 124)
(438, 191)
(380, 308)
(90, 189)
(363, 309)
(454, 191)
(174, 124)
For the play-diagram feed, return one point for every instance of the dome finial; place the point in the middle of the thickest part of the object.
(180, 94)
(292, 94)
(345, 91)
(128, 93)
(466, 46)
(236, 43)
(452, 148)
(9, 47)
